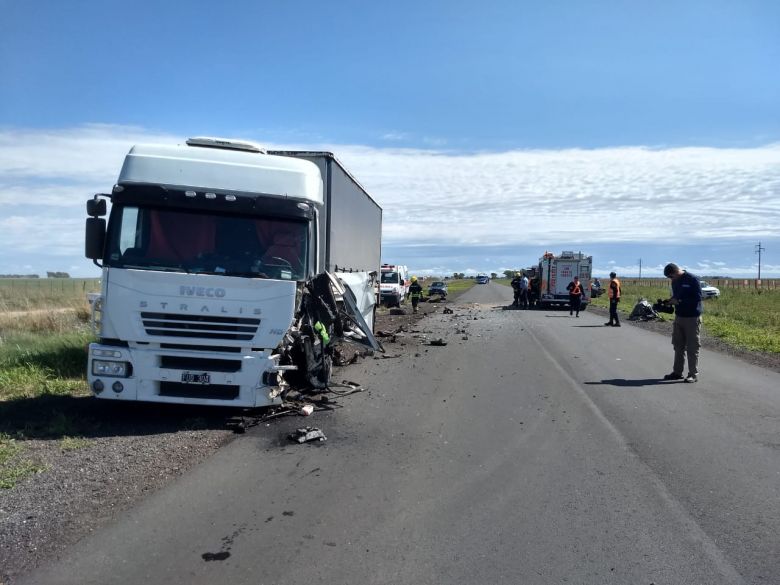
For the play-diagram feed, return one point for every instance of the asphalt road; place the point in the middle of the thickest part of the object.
(541, 449)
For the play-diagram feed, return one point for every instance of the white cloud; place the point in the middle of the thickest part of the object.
(723, 269)
(395, 136)
(433, 197)
(85, 154)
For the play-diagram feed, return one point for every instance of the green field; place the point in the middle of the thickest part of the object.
(454, 286)
(21, 294)
(743, 317)
(44, 332)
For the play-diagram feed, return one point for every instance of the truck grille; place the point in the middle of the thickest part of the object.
(174, 362)
(199, 326)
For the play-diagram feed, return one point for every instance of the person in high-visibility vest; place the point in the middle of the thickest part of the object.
(575, 295)
(614, 299)
(415, 292)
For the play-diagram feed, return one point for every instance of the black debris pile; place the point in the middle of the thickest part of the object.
(643, 311)
(308, 434)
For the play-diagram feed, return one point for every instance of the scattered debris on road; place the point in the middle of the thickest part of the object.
(437, 342)
(308, 434)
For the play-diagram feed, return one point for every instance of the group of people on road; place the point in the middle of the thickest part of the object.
(522, 289)
(686, 299)
(686, 329)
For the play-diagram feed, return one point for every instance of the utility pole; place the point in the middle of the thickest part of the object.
(758, 251)
(640, 269)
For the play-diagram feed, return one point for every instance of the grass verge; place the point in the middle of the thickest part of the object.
(744, 318)
(41, 377)
(74, 443)
(14, 466)
(458, 286)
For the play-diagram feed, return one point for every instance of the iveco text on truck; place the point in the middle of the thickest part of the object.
(228, 272)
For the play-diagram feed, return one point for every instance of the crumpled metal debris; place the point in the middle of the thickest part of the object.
(327, 312)
(307, 434)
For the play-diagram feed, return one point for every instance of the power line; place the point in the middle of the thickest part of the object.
(759, 249)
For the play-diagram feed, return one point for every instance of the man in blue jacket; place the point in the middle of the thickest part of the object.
(686, 298)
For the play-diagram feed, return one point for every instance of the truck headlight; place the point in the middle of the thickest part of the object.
(112, 369)
(106, 353)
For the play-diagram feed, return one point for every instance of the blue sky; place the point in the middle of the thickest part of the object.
(488, 131)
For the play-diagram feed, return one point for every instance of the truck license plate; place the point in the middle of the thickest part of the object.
(195, 378)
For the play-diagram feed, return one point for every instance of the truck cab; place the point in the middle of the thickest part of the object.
(208, 251)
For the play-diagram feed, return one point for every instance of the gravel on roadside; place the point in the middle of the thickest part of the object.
(129, 452)
(87, 482)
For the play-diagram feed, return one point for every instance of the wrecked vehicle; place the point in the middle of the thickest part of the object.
(437, 288)
(228, 273)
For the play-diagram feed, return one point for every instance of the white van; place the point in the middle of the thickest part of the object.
(393, 284)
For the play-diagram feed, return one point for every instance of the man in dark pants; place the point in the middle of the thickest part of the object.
(575, 295)
(614, 299)
(524, 291)
(686, 298)
(516, 289)
(415, 291)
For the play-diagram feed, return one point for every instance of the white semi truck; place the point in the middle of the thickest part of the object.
(556, 272)
(228, 272)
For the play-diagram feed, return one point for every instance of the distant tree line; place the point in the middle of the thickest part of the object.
(57, 275)
(18, 276)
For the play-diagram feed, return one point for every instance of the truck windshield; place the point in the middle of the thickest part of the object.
(203, 242)
(389, 277)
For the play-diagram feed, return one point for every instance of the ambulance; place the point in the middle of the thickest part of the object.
(393, 284)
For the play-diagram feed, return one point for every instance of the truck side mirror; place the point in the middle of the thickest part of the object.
(96, 207)
(95, 236)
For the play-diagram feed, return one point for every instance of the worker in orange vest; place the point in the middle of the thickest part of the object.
(614, 299)
(575, 295)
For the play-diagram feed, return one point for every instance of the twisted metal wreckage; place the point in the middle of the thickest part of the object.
(327, 312)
